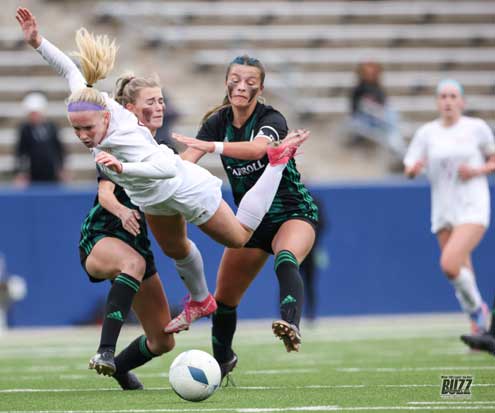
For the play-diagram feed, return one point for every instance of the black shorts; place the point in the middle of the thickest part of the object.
(149, 258)
(100, 224)
(263, 236)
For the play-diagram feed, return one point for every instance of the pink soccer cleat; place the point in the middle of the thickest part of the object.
(192, 311)
(279, 153)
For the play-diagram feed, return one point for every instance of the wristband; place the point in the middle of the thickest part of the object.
(218, 147)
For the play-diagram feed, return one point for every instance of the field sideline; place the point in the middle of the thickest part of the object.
(349, 364)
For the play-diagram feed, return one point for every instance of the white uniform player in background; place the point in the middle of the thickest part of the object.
(456, 152)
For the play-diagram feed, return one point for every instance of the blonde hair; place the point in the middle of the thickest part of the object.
(97, 57)
(128, 87)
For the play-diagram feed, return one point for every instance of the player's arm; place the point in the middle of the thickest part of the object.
(487, 147)
(207, 140)
(107, 199)
(415, 158)
(50, 53)
(196, 148)
(467, 172)
(156, 166)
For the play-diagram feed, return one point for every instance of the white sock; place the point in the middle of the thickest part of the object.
(466, 291)
(257, 201)
(191, 270)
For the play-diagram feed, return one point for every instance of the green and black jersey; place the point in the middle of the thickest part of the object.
(293, 199)
(100, 223)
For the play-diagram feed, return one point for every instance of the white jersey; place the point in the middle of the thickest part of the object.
(444, 149)
(152, 174)
(133, 144)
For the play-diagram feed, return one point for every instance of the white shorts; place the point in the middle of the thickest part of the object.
(197, 198)
(479, 214)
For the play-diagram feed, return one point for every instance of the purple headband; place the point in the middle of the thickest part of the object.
(83, 106)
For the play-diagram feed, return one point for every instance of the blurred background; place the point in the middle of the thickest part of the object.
(361, 75)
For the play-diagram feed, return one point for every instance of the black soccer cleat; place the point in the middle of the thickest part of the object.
(288, 333)
(226, 368)
(103, 363)
(483, 342)
(128, 381)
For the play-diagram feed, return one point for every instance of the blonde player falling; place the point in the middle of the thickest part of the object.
(457, 152)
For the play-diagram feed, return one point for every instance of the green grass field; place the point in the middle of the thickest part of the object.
(380, 364)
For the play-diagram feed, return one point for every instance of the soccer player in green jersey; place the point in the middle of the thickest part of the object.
(240, 130)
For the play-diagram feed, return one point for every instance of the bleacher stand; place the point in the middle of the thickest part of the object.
(310, 50)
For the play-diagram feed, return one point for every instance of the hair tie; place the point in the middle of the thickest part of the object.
(88, 85)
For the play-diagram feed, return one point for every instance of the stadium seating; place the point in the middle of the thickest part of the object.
(309, 48)
(275, 11)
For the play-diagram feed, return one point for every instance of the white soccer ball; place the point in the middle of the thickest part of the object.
(194, 375)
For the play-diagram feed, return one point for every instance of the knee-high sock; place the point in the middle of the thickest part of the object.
(118, 305)
(134, 355)
(291, 287)
(191, 271)
(222, 332)
(466, 291)
(257, 201)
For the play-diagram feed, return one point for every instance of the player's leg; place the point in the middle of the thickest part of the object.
(484, 341)
(171, 234)
(291, 245)
(152, 309)
(238, 268)
(457, 246)
(234, 231)
(113, 259)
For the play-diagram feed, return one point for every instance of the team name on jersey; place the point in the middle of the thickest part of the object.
(248, 169)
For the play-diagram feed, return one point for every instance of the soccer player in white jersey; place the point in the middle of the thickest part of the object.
(457, 153)
(156, 180)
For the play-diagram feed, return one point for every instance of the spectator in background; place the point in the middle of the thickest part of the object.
(39, 153)
(371, 116)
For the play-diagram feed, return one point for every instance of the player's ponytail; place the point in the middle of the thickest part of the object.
(97, 57)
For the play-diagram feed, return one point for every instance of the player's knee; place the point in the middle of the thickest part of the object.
(449, 266)
(176, 250)
(162, 344)
(134, 265)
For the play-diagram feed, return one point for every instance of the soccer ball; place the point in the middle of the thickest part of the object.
(194, 375)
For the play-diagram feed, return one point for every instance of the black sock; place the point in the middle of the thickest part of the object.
(118, 305)
(491, 330)
(291, 287)
(134, 355)
(224, 322)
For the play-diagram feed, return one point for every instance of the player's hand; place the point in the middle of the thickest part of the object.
(299, 135)
(467, 172)
(130, 220)
(203, 146)
(29, 27)
(110, 161)
(413, 171)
